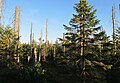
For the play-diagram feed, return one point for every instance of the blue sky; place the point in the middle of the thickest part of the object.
(58, 12)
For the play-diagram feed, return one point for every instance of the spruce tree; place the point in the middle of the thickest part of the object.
(82, 25)
(79, 38)
(7, 40)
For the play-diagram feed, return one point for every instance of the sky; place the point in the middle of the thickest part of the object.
(58, 12)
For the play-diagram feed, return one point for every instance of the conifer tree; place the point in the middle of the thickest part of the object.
(79, 37)
(7, 41)
(82, 23)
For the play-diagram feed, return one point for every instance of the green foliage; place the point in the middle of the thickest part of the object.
(7, 41)
(24, 53)
(39, 69)
(17, 73)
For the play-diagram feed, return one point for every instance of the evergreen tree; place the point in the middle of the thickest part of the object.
(102, 44)
(7, 42)
(81, 25)
(79, 39)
